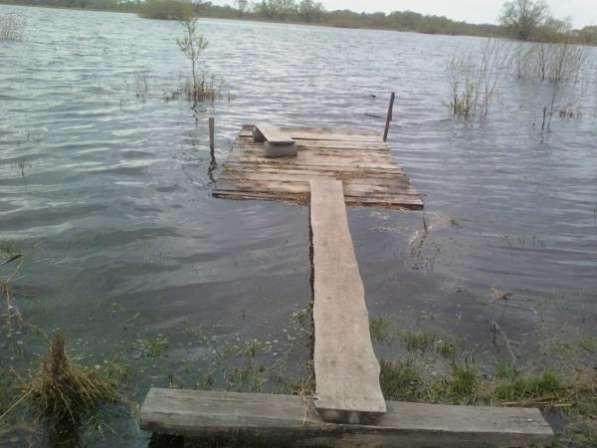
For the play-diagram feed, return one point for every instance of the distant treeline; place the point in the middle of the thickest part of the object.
(102, 5)
(304, 11)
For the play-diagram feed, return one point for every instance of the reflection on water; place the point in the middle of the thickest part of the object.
(105, 183)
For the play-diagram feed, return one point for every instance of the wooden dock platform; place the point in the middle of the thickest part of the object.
(361, 160)
(330, 170)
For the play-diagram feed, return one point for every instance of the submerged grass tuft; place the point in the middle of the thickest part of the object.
(63, 391)
(417, 340)
(400, 380)
(446, 349)
(589, 344)
(539, 387)
(11, 27)
(463, 383)
(151, 347)
(382, 330)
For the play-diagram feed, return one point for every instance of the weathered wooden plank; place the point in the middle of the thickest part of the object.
(365, 184)
(247, 189)
(341, 130)
(261, 196)
(343, 145)
(336, 148)
(300, 134)
(276, 144)
(307, 158)
(291, 421)
(274, 135)
(311, 155)
(346, 369)
(394, 203)
(233, 165)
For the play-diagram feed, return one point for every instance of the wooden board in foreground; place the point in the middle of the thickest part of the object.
(360, 159)
(290, 421)
(346, 369)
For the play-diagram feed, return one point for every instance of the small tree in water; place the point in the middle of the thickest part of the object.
(192, 44)
(524, 17)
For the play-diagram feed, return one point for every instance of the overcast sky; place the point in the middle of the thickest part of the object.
(583, 12)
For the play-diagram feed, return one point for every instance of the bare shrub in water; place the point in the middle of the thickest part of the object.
(562, 65)
(474, 83)
(555, 62)
(11, 27)
(203, 88)
(11, 262)
(192, 44)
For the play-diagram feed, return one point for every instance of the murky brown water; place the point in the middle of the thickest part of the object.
(104, 184)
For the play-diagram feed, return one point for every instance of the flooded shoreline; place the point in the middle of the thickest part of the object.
(105, 191)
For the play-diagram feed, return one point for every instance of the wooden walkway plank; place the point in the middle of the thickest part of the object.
(346, 369)
(291, 421)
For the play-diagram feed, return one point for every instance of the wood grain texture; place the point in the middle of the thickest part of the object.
(291, 421)
(346, 369)
(360, 159)
(274, 135)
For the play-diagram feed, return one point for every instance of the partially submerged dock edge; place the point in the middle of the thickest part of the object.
(360, 159)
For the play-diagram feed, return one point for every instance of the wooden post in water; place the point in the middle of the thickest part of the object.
(212, 144)
(390, 117)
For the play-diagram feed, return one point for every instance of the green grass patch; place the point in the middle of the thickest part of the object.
(400, 381)
(545, 386)
(151, 347)
(417, 340)
(446, 349)
(464, 382)
(505, 371)
(382, 330)
(589, 344)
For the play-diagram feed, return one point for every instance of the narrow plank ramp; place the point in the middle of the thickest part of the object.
(290, 421)
(346, 369)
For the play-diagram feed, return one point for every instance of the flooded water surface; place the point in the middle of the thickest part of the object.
(105, 188)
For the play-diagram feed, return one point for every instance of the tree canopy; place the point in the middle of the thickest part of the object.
(524, 17)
